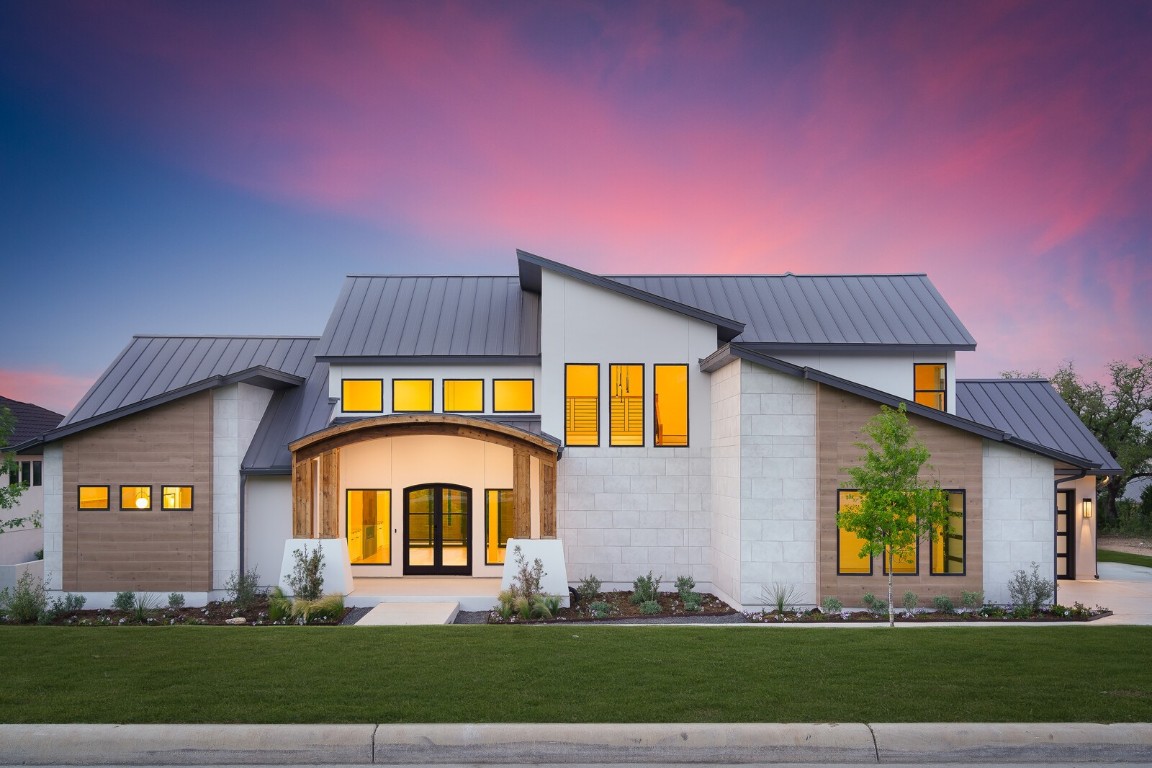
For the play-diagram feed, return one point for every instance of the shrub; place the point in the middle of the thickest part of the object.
(38, 554)
(910, 601)
(25, 602)
(175, 600)
(600, 609)
(943, 603)
(645, 589)
(1028, 592)
(70, 603)
(326, 608)
(589, 588)
(307, 577)
(780, 595)
(831, 605)
(279, 606)
(684, 586)
(143, 606)
(124, 601)
(874, 604)
(972, 600)
(649, 607)
(243, 589)
(544, 606)
(693, 601)
(526, 583)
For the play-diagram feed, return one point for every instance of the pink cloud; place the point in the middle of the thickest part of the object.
(47, 389)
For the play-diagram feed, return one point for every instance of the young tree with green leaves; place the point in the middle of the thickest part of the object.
(894, 507)
(10, 493)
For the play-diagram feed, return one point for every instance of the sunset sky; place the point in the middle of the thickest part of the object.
(218, 167)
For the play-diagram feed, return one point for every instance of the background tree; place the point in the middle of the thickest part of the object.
(10, 493)
(894, 508)
(1119, 415)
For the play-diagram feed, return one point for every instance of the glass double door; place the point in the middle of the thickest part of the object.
(437, 529)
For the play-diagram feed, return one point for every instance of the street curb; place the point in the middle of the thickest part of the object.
(883, 743)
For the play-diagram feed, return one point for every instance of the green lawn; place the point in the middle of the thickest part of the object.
(1111, 556)
(574, 674)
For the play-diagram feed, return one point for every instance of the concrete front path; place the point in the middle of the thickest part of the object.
(1124, 589)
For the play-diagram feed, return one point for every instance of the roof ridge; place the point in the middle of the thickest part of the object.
(397, 274)
(220, 336)
(768, 274)
(1002, 380)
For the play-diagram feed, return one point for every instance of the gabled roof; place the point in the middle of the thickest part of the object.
(808, 312)
(396, 318)
(1032, 410)
(291, 414)
(31, 420)
(530, 280)
(1066, 453)
(158, 369)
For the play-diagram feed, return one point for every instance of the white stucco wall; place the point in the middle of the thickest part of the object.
(31, 499)
(1019, 512)
(887, 373)
(236, 413)
(267, 524)
(53, 516)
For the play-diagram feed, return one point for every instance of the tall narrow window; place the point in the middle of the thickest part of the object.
(626, 405)
(513, 395)
(411, 395)
(178, 497)
(369, 526)
(670, 405)
(498, 508)
(463, 395)
(92, 496)
(931, 385)
(904, 562)
(135, 497)
(582, 404)
(849, 561)
(362, 395)
(948, 545)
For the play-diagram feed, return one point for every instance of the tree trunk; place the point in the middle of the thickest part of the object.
(891, 617)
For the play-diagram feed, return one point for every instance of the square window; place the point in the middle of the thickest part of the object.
(136, 497)
(362, 395)
(513, 395)
(178, 497)
(464, 395)
(411, 395)
(92, 497)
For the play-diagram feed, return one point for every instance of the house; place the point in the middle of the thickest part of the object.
(679, 424)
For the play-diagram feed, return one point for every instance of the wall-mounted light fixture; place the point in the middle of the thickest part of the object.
(1086, 508)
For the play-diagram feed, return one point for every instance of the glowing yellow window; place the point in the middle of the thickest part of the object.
(135, 497)
(464, 395)
(931, 385)
(849, 560)
(904, 561)
(411, 395)
(513, 395)
(499, 524)
(670, 405)
(626, 406)
(362, 395)
(369, 526)
(582, 404)
(948, 547)
(93, 496)
(176, 496)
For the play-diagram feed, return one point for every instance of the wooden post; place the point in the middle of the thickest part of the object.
(330, 494)
(302, 499)
(522, 493)
(548, 498)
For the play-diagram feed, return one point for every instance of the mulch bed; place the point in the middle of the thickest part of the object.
(216, 613)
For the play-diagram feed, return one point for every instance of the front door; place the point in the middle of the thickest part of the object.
(1065, 536)
(437, 530)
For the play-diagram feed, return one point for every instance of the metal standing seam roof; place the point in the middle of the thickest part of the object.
(398, 318)
(291, 414)
(1032, 410)
(796, 311)
(156, 369)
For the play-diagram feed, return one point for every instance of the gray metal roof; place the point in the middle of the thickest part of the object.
(390, 318)
(1032, 410)
(800, 311)
(31, 420)
(158, 369)
(291, 414)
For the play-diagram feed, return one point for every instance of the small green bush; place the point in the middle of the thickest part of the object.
(600, 609)
(279, 606)
(831, 605)
(910, 601)
(124, 601)
(649, 607)
(693, 601)
(588, 589)
(326, 608)
(175, 600)
(1028, 592)
(307, 577)
(26, 602)
(874, 604)
(684, 586)
(943, 603)
(244, 589)
(972, 600)
(70, 603)
(645, 589)
(38, 554)
(143, 606)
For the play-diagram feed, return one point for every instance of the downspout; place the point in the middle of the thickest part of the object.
(243, 495)
(1071, 513)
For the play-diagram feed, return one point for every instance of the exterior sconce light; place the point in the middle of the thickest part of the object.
(1086, 507)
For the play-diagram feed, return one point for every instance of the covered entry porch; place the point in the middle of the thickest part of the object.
(424, 503)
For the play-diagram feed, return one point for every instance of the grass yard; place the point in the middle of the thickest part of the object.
(1111, 556)
(574, 674)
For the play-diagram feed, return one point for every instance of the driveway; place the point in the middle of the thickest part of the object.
(1124, 589)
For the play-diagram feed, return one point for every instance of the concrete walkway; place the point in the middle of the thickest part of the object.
(861, 743)
(1124, 589)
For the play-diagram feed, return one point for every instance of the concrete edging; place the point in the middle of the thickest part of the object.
(81, 744)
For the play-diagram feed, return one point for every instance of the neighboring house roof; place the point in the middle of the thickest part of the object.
(1064, 453)
(420, 319)
(820, 312)
(530, 280)
(31, 420)
(153, 370)
(1032, 410)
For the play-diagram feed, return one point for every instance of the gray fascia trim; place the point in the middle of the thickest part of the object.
(431, 359)
(726, 327)
(24, 447)
(885, 398)
(768, 347)
(266, 471)
(260, 376)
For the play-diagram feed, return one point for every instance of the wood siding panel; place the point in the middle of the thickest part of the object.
(522, 493)
(548, 499)
(330, 494)
(153, 550)
(302, 499)
(957, 462)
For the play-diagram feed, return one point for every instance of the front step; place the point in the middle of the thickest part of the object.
(401, 614)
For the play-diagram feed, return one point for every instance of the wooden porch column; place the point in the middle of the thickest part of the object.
(330, 494)
(302, 499)
(548, 498)
(521, 493)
